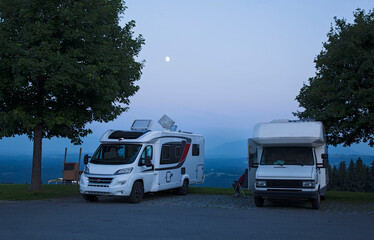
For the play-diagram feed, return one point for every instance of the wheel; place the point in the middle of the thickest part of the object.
(259, 201)
(316, 203)
(184, 189)
(90, 198)
(136, 192)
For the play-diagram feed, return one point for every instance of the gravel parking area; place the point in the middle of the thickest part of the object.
(229, 202)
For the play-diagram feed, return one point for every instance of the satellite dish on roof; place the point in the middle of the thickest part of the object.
(166, 122)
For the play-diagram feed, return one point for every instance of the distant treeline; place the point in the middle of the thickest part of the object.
(356, 177)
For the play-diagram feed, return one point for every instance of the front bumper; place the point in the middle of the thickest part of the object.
(118, 186)
(285, 194)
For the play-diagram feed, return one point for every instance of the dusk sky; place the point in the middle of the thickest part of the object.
(231, 64)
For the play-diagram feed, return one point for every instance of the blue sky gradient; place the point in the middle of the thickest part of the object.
(233, 64)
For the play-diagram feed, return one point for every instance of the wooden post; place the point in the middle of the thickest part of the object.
(66, 150)
(63, 168)
(79, 164)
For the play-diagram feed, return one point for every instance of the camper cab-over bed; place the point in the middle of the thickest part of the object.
(288, 160)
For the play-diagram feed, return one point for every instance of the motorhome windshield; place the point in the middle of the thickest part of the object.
(287, 156)
(116, 153)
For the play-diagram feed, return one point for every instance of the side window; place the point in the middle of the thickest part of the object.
(171, 152)
(165, 153)
(147, 153)
(177, 151)
(195, 149)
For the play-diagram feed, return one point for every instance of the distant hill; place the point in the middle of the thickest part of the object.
(335, 159)
(220, 171)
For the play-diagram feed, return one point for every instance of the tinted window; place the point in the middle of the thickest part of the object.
(147, 153)
(116, 153)
(165, 152)
(177, 151)
(172, 152)
(195, 149)
(287, 156)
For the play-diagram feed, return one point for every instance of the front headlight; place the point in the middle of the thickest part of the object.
(309, 184)
(86, 170)
(124, 171)
(260, 183)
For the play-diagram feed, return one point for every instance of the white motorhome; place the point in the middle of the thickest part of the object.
(131, 163)
(288, 160)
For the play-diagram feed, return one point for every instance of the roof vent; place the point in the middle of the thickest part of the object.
(141, 125)
(280, 121)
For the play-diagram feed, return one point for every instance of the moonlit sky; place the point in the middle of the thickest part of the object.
(232, 64)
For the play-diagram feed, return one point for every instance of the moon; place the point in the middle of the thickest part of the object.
(167, 59)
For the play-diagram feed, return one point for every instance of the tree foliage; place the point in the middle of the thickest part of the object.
(341, 95)
(64, 64)
(356, 178)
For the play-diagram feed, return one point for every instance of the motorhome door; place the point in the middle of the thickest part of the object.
(146, 167)
(171, 163)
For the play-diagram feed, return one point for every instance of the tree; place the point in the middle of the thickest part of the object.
(351, 183)
(64, 64)
(333, 172)
(341, 95)
(361, 175)
(341, 181)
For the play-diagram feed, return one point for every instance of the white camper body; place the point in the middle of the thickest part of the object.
(130, 163)
(288, 160)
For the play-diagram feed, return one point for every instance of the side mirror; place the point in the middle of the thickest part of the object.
(148, 162)
(85, 159)
(254, 165)
(325, 161)
(251, 161)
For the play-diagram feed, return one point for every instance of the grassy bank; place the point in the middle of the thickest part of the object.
(351, 196)
(20, 192)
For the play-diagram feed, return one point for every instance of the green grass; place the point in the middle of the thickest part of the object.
(20, 192)
(351, 196)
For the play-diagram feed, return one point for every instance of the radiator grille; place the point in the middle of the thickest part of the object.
(99, 180)
(284, 183)
(96, 185)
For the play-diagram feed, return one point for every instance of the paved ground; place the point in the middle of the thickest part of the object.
(166, 216)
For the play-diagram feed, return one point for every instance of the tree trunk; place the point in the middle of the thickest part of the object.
(36, 177)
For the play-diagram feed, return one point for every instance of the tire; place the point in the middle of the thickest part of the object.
(316, 203)
(259, 201)
(90, 198)
(137, 192)
(184, 189)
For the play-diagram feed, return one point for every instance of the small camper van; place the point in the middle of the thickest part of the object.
(130, 163)
(288, 160)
